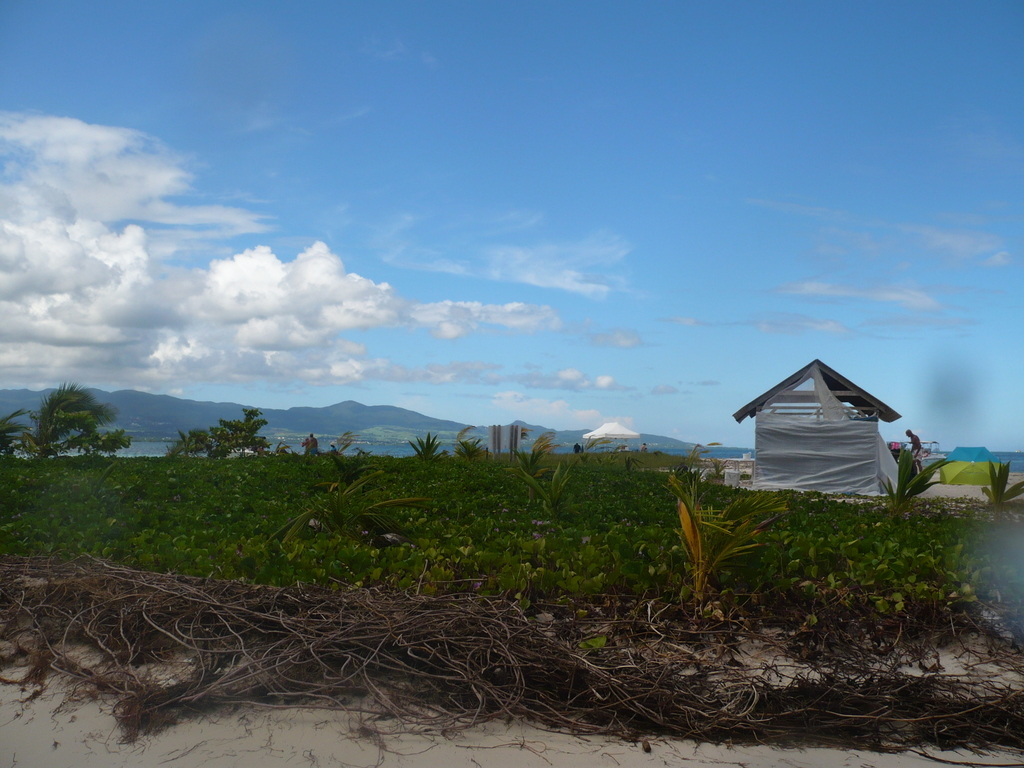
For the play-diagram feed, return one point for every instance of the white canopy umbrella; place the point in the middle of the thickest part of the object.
(613, 431)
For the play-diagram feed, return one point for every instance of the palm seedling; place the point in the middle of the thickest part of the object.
(350, 511)
(469, 449)
(900, 498)
(428, 448)
(553, 494)
(532, 462)
(997, 491)
(714, 539)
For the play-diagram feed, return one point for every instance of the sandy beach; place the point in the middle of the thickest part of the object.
(942, 490)
(46, 731)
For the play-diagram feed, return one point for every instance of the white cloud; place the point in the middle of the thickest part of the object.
(621, 338)
(556, 413)
(567, 378)
(691, 321)
(585, 267)
(788, 323)
(452, 319)
(87, 297)
(65, 168)
(957, 244)
(569, 267)
(1001, 259)
(664, 389)
(907, 296)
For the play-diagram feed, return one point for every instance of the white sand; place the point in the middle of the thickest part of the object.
(43, 733)
(966, 491)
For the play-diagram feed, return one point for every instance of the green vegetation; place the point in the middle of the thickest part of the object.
(427, 448)
(68, 420)
(997, 491)
(481, 532)
(900, 498)
(229, 437)
(716, 539)
(349, 510)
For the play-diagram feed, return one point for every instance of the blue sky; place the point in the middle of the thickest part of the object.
(564, 213)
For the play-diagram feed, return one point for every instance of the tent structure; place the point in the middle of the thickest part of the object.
(613, 431)
(818, 431)
(968, 466)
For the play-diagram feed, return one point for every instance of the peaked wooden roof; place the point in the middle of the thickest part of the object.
(842, 388)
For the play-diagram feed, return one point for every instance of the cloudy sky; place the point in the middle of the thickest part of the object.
(559, 212)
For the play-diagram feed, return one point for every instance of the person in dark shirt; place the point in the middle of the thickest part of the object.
(916, 449)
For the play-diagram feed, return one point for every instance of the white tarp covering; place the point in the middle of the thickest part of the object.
(614, 431)
(815, 454)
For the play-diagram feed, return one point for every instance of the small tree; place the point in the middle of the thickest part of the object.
(197, 441)
(238, 435)
(68, 420)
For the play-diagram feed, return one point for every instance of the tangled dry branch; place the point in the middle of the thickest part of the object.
(164, 645)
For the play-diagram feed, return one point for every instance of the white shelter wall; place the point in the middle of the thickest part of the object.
(818, 455)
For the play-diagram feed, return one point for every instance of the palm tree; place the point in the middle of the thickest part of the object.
(9, 428)
(69, 411)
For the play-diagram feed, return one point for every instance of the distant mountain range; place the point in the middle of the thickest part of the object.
(145, 416)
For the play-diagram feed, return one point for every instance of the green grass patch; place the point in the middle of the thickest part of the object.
(481, 533)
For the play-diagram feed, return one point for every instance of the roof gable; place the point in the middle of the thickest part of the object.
(841, 388)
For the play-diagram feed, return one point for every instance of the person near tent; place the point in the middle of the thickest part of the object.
(916, 450)
(643, 448)
(577, 448)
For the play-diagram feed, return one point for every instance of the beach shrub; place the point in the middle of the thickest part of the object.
(900, 498)
(997, 491)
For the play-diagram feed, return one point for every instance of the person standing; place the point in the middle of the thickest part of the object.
(916, 449)
(311, 445)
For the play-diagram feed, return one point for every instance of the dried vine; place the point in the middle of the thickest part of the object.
(164, 645)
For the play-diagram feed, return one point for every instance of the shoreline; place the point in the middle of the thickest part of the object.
(45, 729)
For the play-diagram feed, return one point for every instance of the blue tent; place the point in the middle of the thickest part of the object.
(971, 454)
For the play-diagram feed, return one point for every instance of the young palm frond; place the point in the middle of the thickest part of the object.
(714, 539)
(553, 495)
(427, 449)
(997, 491)
(596, 442)
(9, 429)
(345, 441)
(900, 498)
(469, 449)
(348, 510)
